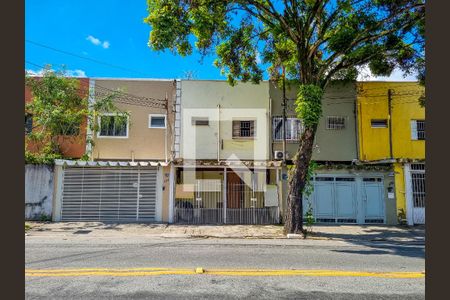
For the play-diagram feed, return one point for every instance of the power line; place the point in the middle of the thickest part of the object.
(125, 98)
(86, 58)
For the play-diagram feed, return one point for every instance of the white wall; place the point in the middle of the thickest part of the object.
(38, 191)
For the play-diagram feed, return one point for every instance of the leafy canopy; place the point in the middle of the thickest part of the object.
(59, 110)
(315, 40)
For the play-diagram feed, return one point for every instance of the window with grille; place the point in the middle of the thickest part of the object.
(379, 123)
(113, 126)
(28, 123)
(293, 129)
(335, 122)
(418, 130)
(243, 129)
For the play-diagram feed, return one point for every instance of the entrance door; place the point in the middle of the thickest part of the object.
(235, 190)
(373, 200)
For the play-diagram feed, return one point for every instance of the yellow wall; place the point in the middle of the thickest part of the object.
(373, 104)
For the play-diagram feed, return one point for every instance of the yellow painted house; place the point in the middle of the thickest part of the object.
(391, 129)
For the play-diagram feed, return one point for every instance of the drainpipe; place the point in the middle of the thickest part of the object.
(218, 133)
(284, 116)
(167, 125)
(390, 122)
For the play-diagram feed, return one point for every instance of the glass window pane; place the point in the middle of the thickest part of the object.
(158, 122)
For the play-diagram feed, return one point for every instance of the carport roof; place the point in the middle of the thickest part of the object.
(83, 163)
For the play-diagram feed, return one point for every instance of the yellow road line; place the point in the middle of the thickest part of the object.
(217, 272)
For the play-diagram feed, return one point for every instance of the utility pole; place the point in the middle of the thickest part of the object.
(390, 122)
(284, 116)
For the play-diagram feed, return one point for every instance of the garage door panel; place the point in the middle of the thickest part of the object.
(324, 200)
(345, 201)
(109, 194)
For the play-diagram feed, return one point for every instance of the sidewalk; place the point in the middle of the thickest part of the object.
(368, 233)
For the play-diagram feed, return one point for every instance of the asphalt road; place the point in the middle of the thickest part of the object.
(127, 254)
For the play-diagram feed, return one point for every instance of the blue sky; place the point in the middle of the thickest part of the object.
(110, 31)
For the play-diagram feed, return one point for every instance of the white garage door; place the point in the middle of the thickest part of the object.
(335, 200)
(109, 194)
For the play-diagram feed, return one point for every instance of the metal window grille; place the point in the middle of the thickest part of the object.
(113, 126)
(418, 187)
(420, 130)
(244, 129)
(418, 184)
(293, 129)
(335, 122)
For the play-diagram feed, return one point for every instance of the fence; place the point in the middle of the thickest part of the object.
(38, 192)
(243, 205)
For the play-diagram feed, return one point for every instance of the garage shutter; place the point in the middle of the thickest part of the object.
(109, 194)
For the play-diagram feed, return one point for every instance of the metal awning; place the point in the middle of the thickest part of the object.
(83, 163)
(229, 163)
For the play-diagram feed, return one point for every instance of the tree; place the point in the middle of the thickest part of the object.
(59, 110)
(315, 41)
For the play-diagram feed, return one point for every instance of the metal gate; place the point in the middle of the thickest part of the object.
(373, 200)
(418, 192)
(335, 200)
(243, 205)
(109, 194)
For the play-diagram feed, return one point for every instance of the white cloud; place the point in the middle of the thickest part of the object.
(69, 73)
(93, 40)
(397, 75)
(98, 42)
(258, 57)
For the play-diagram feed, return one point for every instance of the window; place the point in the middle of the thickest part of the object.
(418, 130)
(200, 121)
(112, 125)
(293, 129)
(28, 123)
(243, 129)
(378, 123)
(335, 122)
(157, 121)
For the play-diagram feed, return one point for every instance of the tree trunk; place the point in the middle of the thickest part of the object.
(297, 181)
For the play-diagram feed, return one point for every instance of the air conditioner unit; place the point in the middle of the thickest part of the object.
(278, 155)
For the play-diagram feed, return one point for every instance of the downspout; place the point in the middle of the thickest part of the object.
(355, 114)
(218, 133)
(390, 122)
(284, 116)
(165, 130)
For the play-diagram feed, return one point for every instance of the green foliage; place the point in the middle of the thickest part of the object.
(41, 158)
(45, 218)
(309, 218)
(309, 105)
(59, 110)
(315, 41)
(309, 187)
